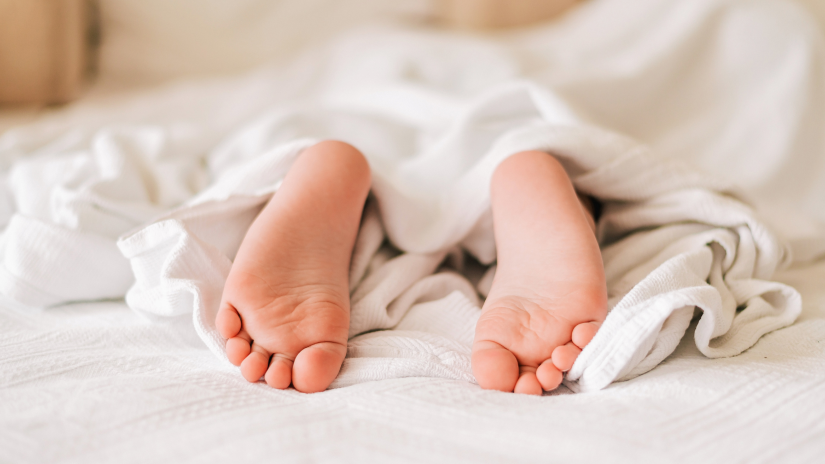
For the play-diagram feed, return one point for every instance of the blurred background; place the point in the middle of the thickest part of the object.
(669, 73)
(50, 50)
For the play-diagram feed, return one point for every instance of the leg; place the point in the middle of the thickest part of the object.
(285, 307)
(549, 294)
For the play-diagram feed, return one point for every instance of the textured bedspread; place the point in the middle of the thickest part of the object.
(94, 383)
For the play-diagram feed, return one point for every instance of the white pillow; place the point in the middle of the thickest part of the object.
(147, 41)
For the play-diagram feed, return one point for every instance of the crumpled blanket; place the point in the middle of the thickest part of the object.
(673, 240)
(135, 208)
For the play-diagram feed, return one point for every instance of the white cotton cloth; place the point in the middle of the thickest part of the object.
(673, 241)
(153, 193)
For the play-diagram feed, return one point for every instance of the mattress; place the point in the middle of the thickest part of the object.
(93, 382)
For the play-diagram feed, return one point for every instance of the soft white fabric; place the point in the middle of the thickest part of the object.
(93, 383)
(429, 204)
(435, 113)
(717, 82)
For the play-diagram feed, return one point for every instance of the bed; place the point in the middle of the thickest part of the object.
(98, 381)
(95, 383)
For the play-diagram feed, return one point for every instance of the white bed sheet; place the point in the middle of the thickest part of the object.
(95, 383)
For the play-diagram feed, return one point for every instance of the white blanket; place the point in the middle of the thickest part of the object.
(434, 114)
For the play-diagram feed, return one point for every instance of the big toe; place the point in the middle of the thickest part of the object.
(317, 366)
(494, 367)
(584, 333)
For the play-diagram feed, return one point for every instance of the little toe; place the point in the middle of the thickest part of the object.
(279, 373)
(494, 367)
(254, 366)
(228, 322)
(564, 356)
(549, 376)
(317, 366)
(528, 383)
(237, 349)
(584, 332)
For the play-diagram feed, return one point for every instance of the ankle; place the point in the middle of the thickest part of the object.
(520, 167)
(339, 160)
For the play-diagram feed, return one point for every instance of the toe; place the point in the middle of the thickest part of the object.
(528, 383)
(494, 367)
(584, 332)
(279, 374)
(237, 349)
(564, 356)
(549, 376)
(254, 366)
(228, 322)
(317, 366)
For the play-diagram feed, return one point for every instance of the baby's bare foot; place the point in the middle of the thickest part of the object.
(549, 295)
(285, 307)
